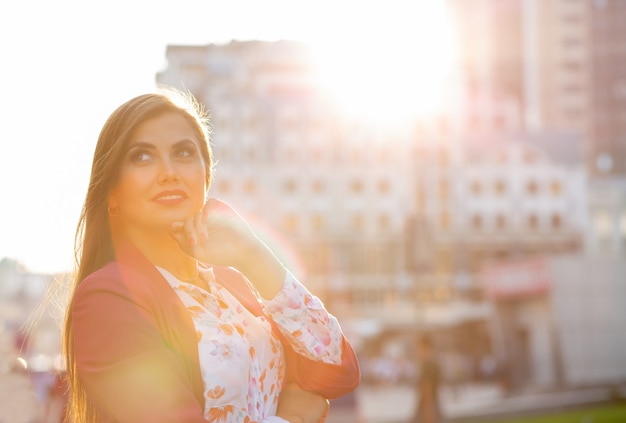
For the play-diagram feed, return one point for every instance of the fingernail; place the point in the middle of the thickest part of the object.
(192, 242)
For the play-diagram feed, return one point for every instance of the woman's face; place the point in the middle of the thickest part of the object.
(162, 177)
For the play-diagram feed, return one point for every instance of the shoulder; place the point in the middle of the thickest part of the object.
(112, 277)
(222, 272)
(106, 278)
(232, 279)
(124, 293)
(122, 280)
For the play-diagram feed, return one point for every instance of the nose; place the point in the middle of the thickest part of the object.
(167, 172)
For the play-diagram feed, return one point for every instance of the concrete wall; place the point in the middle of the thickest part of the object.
(589, 305)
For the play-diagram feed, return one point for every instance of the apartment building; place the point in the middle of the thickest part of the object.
(561, 62)
(333, 195)
(388, 225)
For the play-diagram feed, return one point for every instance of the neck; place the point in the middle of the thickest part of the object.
(163, 251)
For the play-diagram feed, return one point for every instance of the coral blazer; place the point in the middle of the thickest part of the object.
(149, 371)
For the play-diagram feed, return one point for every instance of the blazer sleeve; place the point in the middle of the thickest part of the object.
(128, 370)
(329, 379)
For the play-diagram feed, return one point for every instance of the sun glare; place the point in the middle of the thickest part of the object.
(389, 65)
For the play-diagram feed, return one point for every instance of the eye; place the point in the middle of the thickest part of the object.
(140, 156)
(185, 152)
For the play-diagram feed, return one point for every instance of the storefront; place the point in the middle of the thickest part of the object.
(523, 328)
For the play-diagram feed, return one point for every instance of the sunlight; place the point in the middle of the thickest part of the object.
(388, 65)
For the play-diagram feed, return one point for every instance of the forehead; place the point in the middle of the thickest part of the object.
(168, 127)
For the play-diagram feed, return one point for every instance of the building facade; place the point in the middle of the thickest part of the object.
(390, 226)
(560, 61)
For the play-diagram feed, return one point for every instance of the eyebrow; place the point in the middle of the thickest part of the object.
(142, 144)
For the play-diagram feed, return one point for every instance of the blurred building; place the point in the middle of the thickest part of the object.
(607, 212)
(607, 131)
(393, 227)
(561, 62)
(334, 191)
(554, 68)
(26, 328)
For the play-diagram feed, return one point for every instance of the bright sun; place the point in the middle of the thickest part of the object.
(387, 63)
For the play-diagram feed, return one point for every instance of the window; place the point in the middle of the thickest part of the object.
(572, 42)
(532, 188)
(556, 221)
(500, 222)
(444, 220)
(316, 155)
(357, 222)
(223, 124)
(318, 222)
(602, 224)
(477, 222)
(572, 88)
(444, 261)
(251, 155)
(356, 186)
(249, 187)
(383, 156)
(357, 156)
(384, 222)
(290, 186)
(444, 193)
(501, 157)
(572, 66)
(290, 154)
(476, 188)
(223, 186)
(383, 186)
(291, 223)
(477, 258)
(318, 186)
(555, 188)
(572, 19)
(533, 221)
(251, 123)
(443, 157)
(530, 156)
(500, 187)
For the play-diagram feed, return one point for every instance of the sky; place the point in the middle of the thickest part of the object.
(67, 64)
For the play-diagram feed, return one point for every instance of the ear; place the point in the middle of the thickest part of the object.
(112, 202)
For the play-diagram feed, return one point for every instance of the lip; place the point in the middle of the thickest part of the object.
(170, 197)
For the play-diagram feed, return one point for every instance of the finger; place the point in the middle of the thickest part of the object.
(177, 226)
(190, 231)
(205, 213)
(177, 232)
(200, 227)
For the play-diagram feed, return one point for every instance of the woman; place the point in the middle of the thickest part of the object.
(152, 332)
(428, 407)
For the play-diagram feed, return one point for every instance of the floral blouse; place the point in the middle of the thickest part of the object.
(241, 361)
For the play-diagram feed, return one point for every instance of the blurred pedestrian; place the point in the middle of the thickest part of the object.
(427, 407)
(158, 327)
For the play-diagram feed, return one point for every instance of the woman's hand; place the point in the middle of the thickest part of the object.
(219, 235)
(299, 406)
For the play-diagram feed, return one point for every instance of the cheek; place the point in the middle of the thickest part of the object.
(131, 184)
(197, 177)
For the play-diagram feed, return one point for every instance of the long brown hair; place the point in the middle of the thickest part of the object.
(93, 243)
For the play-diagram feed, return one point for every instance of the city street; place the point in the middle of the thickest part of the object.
(384, 403)
(394, 403)
(373, 404)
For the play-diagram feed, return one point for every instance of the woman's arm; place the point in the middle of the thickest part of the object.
(299, 406)
(305, 322)
(219, 236)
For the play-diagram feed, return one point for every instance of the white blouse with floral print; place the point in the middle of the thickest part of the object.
(241, 362)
